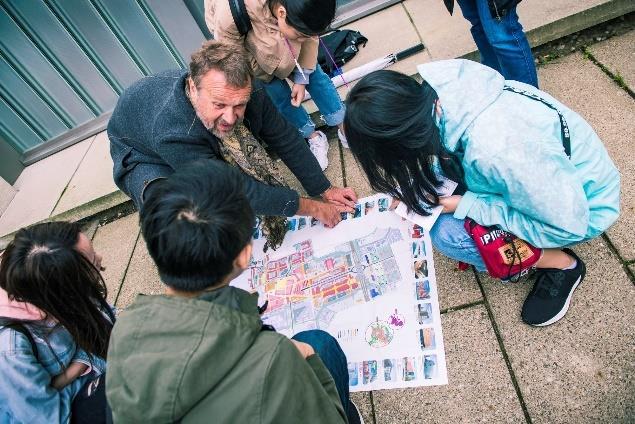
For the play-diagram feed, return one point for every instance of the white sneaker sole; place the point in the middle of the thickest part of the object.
(564, 309)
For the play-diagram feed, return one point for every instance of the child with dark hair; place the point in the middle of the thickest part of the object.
(201, 352)
(54, 327)
(507, 144)
(283, 46)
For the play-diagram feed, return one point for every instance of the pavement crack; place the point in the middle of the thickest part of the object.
(625, 264)
(461, 307)
(501, 345)
(616, 78)
(372, 407)
(125, 272)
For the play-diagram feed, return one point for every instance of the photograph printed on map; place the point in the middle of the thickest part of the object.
(390, 369)
(369, 207)
(301, 223)
(422, 290)
(358, 211)
(369, 371)
(384, 204)
(420, 268)
(408, 368)
(426, 338)
(291, 224)
(314, 222)
(429, 363)
(423, 312)
(417, 232)
(353, 374)
(418, 249)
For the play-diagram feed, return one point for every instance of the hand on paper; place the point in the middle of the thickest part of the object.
(394, 204)
(305, 349)
(297, 94)
(450, 203)
(327, 213)
(341, 196)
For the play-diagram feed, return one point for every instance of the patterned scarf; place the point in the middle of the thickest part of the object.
(241, 149)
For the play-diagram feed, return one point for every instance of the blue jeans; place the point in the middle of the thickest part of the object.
(334, 359)
(502, 43)
(451, 239)
(323, 93)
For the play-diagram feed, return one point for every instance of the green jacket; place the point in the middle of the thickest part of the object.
(208, 360)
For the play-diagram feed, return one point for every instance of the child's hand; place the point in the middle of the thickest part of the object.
(74, 370)
(297, 94)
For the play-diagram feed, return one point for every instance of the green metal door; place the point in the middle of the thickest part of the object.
(64, 63)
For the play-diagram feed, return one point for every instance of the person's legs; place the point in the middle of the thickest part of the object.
(326, 97)
(510, 45)
(451, 239)
(280, 93)
(335, 361)
(470, 12)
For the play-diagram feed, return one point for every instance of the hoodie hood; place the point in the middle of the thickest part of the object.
(18, 310)
(465, 88)
(167, 353)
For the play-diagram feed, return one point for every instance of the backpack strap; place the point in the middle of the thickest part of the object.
(564, 128)
(241, 18)
(21, 328)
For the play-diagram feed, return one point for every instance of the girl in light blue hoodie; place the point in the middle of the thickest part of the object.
(54, 327)
(524, 162)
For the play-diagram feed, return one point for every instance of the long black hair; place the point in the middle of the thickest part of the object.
(42, 266)
(392, 133)
(310, 17)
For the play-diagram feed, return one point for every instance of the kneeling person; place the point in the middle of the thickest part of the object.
(200, 352)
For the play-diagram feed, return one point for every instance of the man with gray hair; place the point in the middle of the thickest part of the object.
(217, 111)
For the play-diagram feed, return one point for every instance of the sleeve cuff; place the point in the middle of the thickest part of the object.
(298, 78)
(465, 204)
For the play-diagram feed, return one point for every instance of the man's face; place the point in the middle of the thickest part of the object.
(218, 105)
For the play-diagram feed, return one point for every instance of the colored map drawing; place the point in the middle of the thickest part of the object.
(306, 290)
(379, 334)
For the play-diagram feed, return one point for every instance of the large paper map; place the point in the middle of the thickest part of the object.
(369, 282)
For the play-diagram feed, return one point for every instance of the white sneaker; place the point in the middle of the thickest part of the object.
(342, 137)
(319, 146)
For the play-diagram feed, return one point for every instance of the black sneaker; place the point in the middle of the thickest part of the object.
(549, 300)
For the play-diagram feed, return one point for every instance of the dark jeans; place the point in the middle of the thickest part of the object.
(90, 406)
(502, 43)
(335, 361)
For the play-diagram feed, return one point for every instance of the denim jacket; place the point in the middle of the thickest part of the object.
(26, 395)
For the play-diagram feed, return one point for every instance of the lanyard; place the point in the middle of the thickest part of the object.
(564, 128)
(295, 60)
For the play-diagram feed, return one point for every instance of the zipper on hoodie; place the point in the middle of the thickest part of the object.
(498, 15)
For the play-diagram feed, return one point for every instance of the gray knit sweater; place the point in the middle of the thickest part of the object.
(154, 123)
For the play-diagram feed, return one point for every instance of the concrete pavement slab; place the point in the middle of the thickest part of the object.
(142, 276)
(39, 187)
(581, 368)
(93, 178)
(115, 242)
(364, 404)
(480, 388)
(455, 287)
(444, 36)
(583, 87)
(618, 55)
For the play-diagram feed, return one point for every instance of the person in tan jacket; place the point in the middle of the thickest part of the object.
(283, 45)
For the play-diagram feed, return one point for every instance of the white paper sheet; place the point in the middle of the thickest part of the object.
(427, 222)
(369, 282)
